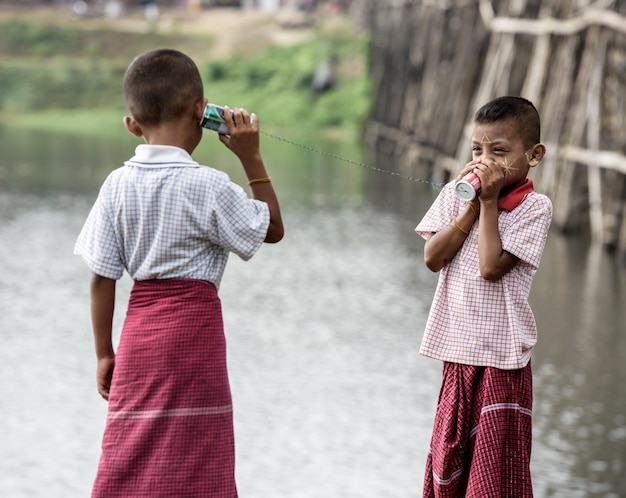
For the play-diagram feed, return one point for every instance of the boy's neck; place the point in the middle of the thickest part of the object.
(510, 188)
(173, 133)
(184, 132)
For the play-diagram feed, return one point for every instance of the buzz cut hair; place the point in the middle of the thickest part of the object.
(517, 109)
(161, 85)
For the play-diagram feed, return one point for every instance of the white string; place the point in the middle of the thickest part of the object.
(362, 165)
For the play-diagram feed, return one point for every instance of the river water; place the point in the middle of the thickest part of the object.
(331, 397)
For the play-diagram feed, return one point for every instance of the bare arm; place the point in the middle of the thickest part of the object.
(102, 306)
(243, 141)
(443, 246)
(494, 261)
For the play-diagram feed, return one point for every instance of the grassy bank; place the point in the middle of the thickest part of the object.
(58, 75)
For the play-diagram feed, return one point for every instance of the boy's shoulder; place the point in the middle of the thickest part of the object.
(539, 200)
(196, 175)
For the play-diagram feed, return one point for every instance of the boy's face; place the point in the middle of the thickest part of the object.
(500, 144)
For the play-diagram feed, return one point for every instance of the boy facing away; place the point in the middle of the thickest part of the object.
(480, 323)
(171, 224)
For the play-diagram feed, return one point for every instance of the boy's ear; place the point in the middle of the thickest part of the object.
(133, 126)
(535, 155)
(199, 108)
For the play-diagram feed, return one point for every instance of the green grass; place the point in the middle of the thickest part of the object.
(38, 38)
(277, 86)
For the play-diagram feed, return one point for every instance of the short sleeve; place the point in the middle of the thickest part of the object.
(239, 223)
(440, 213)
(529, 224)
(97, 244)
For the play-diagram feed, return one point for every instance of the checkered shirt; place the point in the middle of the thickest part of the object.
(162, 215)
(474, 321)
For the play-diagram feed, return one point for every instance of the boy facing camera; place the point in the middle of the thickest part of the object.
(480, 324)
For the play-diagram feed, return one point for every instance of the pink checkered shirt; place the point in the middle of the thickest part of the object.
(474, 321)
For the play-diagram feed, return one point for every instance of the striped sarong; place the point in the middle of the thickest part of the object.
(482, 434)
(169, 430)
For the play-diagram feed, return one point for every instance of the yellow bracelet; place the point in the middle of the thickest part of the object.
(260, 180)
(471, 206)
(458, 229)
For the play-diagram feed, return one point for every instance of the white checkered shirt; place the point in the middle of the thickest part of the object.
(162, 215)
(472, 320)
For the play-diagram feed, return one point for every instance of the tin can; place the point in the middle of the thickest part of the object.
(213, 119)
(468, 187)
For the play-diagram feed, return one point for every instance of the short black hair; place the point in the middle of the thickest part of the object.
(161, 85)
(516, 109)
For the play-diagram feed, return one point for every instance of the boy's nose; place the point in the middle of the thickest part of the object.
(488, 159)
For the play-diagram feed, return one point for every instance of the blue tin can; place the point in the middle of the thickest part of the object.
(213, 119)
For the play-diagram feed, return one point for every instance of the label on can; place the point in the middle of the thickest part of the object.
(468, 187)
(213, 119)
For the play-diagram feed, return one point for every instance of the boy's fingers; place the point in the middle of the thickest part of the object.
(227, 114)
(240, 117)
(244, 117)
(224, 139)
(104, 392)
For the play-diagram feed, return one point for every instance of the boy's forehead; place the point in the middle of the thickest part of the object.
(498, 131)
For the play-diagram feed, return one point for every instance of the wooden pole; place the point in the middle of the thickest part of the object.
(593, 137)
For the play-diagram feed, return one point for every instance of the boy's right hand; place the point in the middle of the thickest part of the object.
(468, 168)
(243, 134)
(104, 374)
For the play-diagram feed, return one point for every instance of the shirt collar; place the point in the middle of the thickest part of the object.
(515, 197)
(160, 156)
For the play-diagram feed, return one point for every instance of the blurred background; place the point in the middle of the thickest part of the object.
(364, 107)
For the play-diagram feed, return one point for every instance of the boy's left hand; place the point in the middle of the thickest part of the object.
(491, 177)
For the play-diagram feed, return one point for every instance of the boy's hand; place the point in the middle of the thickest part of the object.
(243, 134)
(104, 374)
(491, 177)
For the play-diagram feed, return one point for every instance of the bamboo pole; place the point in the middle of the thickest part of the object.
(621, 241)
(594, 177)
(603, 158)
(569, 194)
(553, 107)
(538, 64)
(590, 16)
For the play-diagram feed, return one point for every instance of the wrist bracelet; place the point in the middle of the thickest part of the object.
(267, 179)
(458, 229)
(471, 206)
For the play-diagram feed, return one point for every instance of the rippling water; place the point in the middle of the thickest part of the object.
(331, 397)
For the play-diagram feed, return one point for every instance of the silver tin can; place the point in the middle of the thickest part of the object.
(468, 187)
